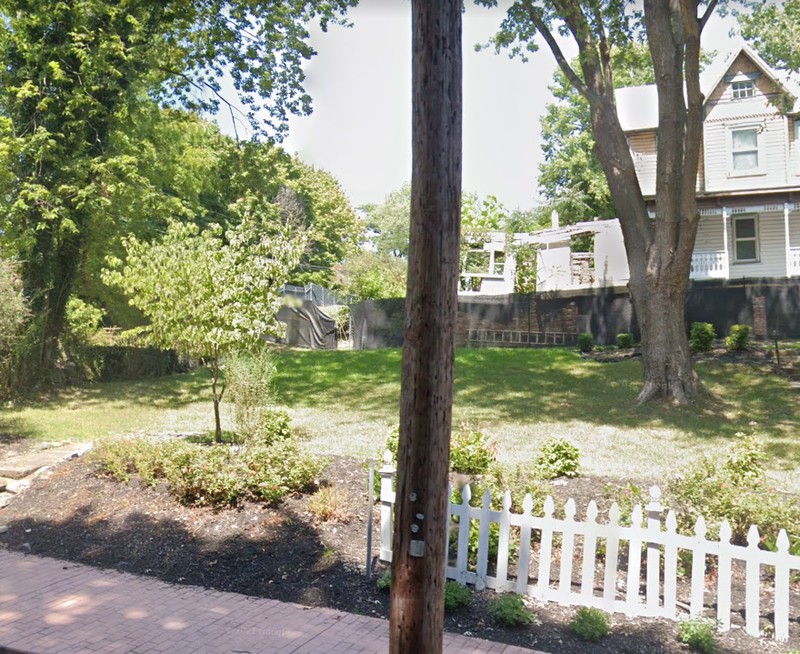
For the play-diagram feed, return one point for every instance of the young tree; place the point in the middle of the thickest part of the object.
(659, 252)
(209, 293)
(73, 74)
(426, 398)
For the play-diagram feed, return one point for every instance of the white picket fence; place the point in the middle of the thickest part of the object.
(623, 586)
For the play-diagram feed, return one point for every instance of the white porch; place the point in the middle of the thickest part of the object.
(750, 241)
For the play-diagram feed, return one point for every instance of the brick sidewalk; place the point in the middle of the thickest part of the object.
(55, 607)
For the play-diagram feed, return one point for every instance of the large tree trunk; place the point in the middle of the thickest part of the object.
(659, 252)
(419, 546)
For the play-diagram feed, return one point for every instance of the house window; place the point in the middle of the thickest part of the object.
(744, 150)
(743, 89)
(745, 238)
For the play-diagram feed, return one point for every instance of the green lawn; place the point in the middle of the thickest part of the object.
(345, 402)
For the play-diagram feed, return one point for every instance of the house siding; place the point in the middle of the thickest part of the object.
(723, 112)
(643, 150)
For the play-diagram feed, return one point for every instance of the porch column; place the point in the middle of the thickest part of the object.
(725, 242)
(786, 211)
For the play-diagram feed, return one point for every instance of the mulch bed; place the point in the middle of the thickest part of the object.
(285, 553)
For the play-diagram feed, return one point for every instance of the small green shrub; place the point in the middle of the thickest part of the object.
(456, 595)
(736, 491)
(279, 470)
(206, 475)
(590, 623)
(701, 336)
(585, 342)
(558, 458)
(471, 453)
(510, 610)
(698, 634)
(624, 340)
(385, 580)
(739, 338)
(82, 320)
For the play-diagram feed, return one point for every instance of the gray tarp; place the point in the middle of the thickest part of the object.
(308, 326)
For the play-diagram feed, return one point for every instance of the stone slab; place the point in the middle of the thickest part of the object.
(5, 499)
(4, 482)
(22, 466)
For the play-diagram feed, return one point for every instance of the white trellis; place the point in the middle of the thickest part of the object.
(552, 573)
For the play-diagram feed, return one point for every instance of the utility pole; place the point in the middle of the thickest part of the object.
(419, 546)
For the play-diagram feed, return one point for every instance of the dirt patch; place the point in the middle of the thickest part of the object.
(285, 553)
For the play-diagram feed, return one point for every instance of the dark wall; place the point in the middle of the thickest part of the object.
(602, 312)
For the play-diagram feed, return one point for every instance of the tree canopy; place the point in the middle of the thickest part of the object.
(772, 29)
(76, 78)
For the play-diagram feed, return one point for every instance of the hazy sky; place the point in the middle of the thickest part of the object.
(360, 82)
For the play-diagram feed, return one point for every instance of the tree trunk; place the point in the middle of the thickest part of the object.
(419, 546)
(213, 368)
(666, 360)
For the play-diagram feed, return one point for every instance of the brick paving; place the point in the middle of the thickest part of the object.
(55, 607)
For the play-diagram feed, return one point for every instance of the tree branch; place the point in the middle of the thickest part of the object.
(563, 64)
(706, 15)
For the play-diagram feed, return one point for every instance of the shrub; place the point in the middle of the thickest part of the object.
(206, 475)
(590, 623)
(510, 610)
(624, 340)
(698, 634)
(471, 453)
(558, 458)
(739, 338)
(701, 336)
(82, 321)
(330, 504)
(248, 382)
(214, 475)
(456, 595)
(279, 470)
(585, 342)
(735, 491)
(385, 580)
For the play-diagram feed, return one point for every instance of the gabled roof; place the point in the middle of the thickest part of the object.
(637, 106)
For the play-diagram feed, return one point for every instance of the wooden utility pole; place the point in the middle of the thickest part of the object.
(417, 606)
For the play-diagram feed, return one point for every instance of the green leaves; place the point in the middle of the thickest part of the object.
(206, 293)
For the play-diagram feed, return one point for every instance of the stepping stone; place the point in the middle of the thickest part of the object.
(19, 467)
(5, 499)
(4, 483)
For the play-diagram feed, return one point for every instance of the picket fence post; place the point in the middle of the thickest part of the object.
(653, 570)
(387, 473)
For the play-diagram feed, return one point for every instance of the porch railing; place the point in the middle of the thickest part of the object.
(793, 267)
(709, 264)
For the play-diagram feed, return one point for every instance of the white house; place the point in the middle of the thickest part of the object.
(748, 185)
(491, 269)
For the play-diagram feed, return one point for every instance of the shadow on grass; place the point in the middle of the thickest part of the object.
(545, 385)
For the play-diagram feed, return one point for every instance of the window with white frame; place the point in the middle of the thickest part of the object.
(745, 238)
(745, 155)
(743, 89)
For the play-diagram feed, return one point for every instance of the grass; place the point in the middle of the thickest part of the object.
(346, 402)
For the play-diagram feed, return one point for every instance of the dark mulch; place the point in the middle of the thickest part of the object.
(283, 553)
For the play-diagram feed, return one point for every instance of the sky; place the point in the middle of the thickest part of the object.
(360, 83)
